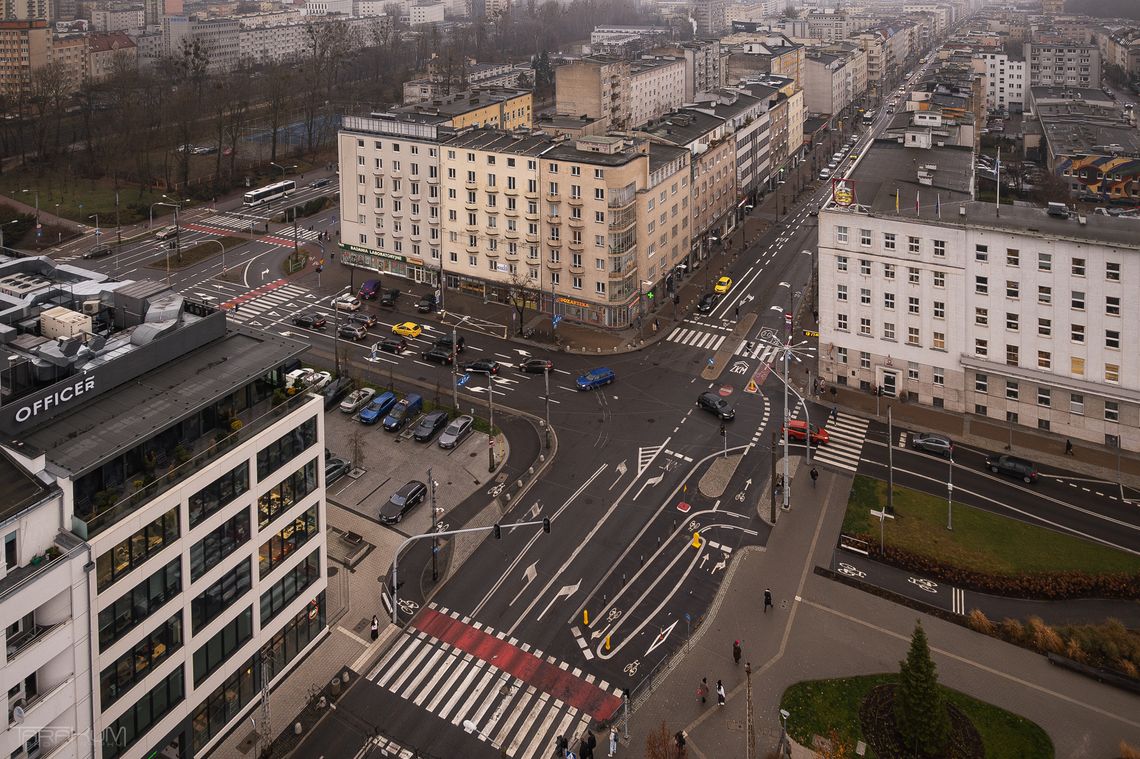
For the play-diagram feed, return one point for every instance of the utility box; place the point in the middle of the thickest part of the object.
(63, 322)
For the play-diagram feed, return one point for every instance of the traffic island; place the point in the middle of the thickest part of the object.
(716, 478)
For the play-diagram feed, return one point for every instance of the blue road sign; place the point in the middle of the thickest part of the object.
(711, 361)
(463, 379)
(555, 319)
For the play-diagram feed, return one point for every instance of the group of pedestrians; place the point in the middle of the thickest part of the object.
(737, 652)
(586, 745)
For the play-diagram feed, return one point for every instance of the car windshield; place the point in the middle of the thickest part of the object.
(399, 498)
(455, 428)
(399, 411)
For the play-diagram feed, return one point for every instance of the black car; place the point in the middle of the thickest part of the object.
(438, 356)
(99, 251)
(402, 501)
(393, 345)
(389, 298)
(484, 365)
(324, 182)
(352, 331)
(1011, 466)
(335, 469)
(714, 404)
(708, 302)
(365, 320)
(431, 423)
(309, 321)
(427, 304)
(335, 391)
(536, 365)
(445, 343)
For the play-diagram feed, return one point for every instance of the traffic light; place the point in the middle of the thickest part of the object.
(546, 524)
(498, 531)
(722, 429)
(676, 298)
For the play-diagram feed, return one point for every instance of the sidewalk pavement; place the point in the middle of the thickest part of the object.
(822, 629)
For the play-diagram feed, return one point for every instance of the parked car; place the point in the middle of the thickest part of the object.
(357, 400)
(427, 304)
(407, 329)
(402, 501)
(1012, 466)
(714, 404)
(352, 331)
(596, 378)
(309, 321)
(707, 303)
(438, 356)
(444, 341)
(377, 408)
(486, 365)
(393, 345)
(456, 432)
(335, 468)
(346, 302)
(432, 422)
(403, 412)
(320, 380)
(825, 172)
(336, 390)
(931, 443)
(536, 366)
(797, 430)
(369, 290)
(389, 298)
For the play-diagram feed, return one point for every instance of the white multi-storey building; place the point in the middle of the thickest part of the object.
(181, 550)
(656, 86)
(1015, 316)
(1005, 82)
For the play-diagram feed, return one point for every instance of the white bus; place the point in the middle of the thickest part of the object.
(270, 192)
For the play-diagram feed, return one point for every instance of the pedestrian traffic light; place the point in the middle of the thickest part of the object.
(498, 531)
(676, 298)
(546, 524)
(649, 295)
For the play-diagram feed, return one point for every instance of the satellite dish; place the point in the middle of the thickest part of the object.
(18, 715)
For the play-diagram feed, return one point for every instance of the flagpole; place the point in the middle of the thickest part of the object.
(997, 194)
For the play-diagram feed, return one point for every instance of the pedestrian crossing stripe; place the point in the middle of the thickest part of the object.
(766, 353)
(464, 672)
(280, 297)
(646, 455)
(695, 338)
(844, 447)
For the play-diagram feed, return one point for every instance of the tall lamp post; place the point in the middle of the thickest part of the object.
(221, 245)
(37, 193)
(177, 232)
(284, 169)
(336, 329)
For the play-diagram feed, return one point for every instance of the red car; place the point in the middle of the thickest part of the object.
(797, 430)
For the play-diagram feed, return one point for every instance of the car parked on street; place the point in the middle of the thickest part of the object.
(714, 404)
(427, 304)
(1012, 466)
(377, 408)
(389, 298)
(707, 303)
(431, 423)
(456, 432)
(929, 442)
(402, 501)
(357, 400)
(369, 290)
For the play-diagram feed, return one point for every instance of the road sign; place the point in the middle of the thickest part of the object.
(751, 387)
(711, 362)
(554, 320)
(463, 379)
(683, 507)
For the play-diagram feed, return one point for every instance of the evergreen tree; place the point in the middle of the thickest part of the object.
(920, 713)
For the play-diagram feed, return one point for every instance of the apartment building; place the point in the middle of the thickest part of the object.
(704, 69)
(435, 85)
(656, 86)
(25, 46)
(871, 43)
(219, 37)
(1063, 64)
(752, 56)
(27, 10)
(492, 107)
(1017, 317)
(192, 507)
(1005, 82)
(829, 86)
(746, 116)
(624, 92)
(1121, 48)
(109, 53)
(70, 53)
(117, 19)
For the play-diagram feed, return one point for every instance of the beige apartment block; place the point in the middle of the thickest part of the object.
(597, 87)
(25, 46)
(656, 86)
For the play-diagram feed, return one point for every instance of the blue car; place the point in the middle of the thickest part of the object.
(596, 378)
(376, 410)
(403, 412)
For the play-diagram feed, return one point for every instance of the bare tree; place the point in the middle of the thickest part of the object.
(524, 293)
(660, 744)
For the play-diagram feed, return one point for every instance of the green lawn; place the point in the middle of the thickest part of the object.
(78, 199)
(980, 541)
(818, 706)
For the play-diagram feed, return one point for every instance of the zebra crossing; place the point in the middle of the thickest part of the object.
(501, 691)
(695, 338)
(844, 448)
(269, 306)
(235, 223)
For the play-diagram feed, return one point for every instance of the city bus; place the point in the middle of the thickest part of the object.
(868, 118)
(270, 192)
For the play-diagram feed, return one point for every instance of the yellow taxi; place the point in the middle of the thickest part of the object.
(722, 285)
(407, 329)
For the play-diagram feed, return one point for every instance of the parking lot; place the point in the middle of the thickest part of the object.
(389, 460)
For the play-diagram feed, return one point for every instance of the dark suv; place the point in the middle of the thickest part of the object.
(1011, 466)
(714, 404)
(444, 342)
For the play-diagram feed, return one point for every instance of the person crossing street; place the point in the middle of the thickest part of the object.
(736, 653)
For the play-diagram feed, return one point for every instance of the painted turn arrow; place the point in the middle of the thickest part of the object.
(565, 590)
(529, 573)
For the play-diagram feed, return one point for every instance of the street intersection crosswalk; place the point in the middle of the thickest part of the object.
(242, 224)
(500, 690)
(269, 306)
(844, 447)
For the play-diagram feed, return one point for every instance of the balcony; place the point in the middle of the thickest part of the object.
(578, 223)
(470, 185)
(556, 244)
(553, 196)
(575, 200)
(512, 256)
(554, 265)
(577, 269)
(491, 253)
(491, 231)
(577, 245)
(43, 708)
(552, 219)
(25, 639)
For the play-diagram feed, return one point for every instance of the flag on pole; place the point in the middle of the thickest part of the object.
(917, 203)
(896, 200)
(938, 205)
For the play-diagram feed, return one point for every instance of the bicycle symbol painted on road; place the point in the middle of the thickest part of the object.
(850, 571)
(928, 585)
(494, 491)
(740, 497)
(613, 614)
(407, 606)
(442, 527)
(631, 668)
(694, 525)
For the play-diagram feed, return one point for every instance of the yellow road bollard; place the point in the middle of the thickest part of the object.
(696, 540)
(607, 643)
(585, 617)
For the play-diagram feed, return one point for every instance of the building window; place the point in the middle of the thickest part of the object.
(864, 326)
(982, 253)
(939, 339)
(1044, 295)
(888, 271)
(1112, 339)
(939, 248)
(218, 544)
(841, 355)
(141, 660)
(1044, 262)
(981, 347)
(286, 494)
(290, 587)
(144, 714)
(1044, 360)
(1077, 333)
(939, 376)
(940, 279)
(841, 322)
(864, 296)
(889, 301)
(865, 238)
(980, 409)
(224, 644)
(981, 383)
(913, 336)
(981, 285)
(220, 596)
(1012, 391)
(1111, 411)
(939, 309)
(864, 360)
(1078, 301)
(841, 293)
(913, 245)
(131, 553)
(888, 330)
(286, 448)
(1012, 288)
(981, 316)
(1112, 305)
(1012, 257)
(912, 275)
(841, 234)
(1077, 366)
(1043, 397)
(864, 267)
(912, 371)
(1112, 373)
(1011, 321)
(912, 306)
(841, 263)
(1078, 267)
(1112, 271)
(1012, 355)
(888, 241)
(1077, 404)
(146, 598)
(1045, 327)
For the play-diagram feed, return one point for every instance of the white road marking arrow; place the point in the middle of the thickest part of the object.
(661, 637)
(651, 481)
(529, 574)
(747, 483)
(565, 590)
(521, 352)
(599, 633)
(776, 308)
(621, 470)
(785, 284)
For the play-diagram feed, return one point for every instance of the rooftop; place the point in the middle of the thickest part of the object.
(1082, 128)
(21, 490)
(519, 142)
(1088, 94)
(925, 174)
(446, 108)
(661, 154)
(684, 127)
(116, 421)
(567, 151)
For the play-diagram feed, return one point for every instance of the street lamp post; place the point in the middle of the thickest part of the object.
(221, 245)
(37, 194)
(336, 331)
(546, 376)
(949, 492)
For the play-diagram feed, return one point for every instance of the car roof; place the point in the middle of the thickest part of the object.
(409, 486)
(600, 370)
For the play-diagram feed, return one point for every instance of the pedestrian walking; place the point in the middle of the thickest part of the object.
(375, 627)
(767, 600)
(613, 740)
(736, 653)
(814, 476)
(585, 750)
(835, 413)
(737, 310)
(703, 690)
(1068, 447)
(561, 746)
(720, 696)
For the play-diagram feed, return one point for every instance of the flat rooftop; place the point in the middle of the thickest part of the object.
(1083, 128)
(521, 143)
(684, 126)
(888, 167)
(117, 420)
(446, 108)
(21, 490)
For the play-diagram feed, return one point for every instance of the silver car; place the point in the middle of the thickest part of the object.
(939, 445)
(456, 432)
